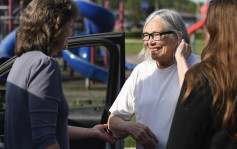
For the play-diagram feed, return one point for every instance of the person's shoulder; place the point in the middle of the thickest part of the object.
(193, 59)
(39, 59)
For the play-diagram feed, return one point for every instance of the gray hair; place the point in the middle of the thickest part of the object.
(172, 21)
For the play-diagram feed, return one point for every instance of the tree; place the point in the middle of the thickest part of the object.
(137, 13)
(184, 6)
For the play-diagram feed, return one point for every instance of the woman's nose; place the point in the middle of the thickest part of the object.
(151, 41)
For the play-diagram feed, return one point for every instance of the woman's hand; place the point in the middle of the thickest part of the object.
(139, 132)
(183, 50)
(101, 133)
(143, 135)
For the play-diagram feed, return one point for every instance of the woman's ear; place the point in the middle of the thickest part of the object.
(180, 36)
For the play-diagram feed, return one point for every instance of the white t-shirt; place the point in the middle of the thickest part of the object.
(151, 94)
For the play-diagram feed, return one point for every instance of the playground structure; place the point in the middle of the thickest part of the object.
(10, 15)
(198, 25)
(83, 59)
(70, 55)
(95, 23)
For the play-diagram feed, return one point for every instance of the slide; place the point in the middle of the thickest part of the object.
(199, 24)
(85, 68)
(7, 46)
(98, 20)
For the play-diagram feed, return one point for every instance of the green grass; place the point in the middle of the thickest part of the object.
(133, 48)
(129, 141)
(200, 41)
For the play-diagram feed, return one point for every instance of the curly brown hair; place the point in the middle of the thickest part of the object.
(43, 25)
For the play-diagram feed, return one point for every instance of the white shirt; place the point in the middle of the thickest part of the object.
(151, 94)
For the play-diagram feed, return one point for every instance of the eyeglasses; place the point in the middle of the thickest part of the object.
(156, 36)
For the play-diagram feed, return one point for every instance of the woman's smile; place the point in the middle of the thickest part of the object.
(155, 50)
(161, 50)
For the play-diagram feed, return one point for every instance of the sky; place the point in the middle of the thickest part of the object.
(199, 1)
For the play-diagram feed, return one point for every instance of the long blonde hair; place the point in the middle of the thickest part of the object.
(219, 63)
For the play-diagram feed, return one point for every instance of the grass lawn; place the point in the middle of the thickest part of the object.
(134, 45)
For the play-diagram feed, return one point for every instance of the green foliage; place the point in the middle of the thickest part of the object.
(185, 6)
(137, 14)
(133, 34)
(165, 3)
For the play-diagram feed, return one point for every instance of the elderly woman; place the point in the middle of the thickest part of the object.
(152, 90)
(36, 109)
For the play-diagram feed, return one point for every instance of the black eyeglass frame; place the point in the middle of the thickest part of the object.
(152, 35)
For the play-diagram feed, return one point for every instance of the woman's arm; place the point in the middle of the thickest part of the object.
(141, 133)
(183, 51)
(98, 131)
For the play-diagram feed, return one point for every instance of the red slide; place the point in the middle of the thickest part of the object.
(200, 23)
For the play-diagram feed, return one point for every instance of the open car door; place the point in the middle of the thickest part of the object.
(90, 116)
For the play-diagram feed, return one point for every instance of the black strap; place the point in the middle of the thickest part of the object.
(6, 66)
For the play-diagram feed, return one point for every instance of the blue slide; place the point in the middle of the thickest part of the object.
(7, 46)
(98, 20)
(85, 68)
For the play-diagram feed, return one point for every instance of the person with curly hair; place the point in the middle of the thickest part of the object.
(37, 111)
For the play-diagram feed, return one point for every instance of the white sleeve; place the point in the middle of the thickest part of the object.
(193, 59)
(123, 106)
